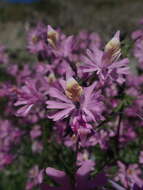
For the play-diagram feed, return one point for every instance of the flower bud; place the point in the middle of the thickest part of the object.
(73, 90)
(113, 47)
(53, 36)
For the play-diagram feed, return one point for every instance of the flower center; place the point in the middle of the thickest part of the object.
(130, 171)
(34, 39)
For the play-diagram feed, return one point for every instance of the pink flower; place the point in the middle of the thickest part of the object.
(37, 39)
(28, 97)
(61, 45)
(35, 177)
(82, 157)
(5, 159)
(101, 137)
(129, 176)
(106, 63)
(127, 132)
(35, 132)
(70, 99)
(81, 127)
(82, 181)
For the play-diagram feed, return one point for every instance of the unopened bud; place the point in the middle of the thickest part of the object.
(113, 47)
(73, 90)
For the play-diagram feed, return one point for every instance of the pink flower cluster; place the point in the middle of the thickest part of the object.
(81, 95)
(9, 137)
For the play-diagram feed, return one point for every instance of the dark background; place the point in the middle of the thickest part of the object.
(103, 16)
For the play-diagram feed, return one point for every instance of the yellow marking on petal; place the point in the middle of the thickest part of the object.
(130, 171)
(85, 156)
(51, 78)
(53, 36)
(113, 47)
(74, 138)
(34, 39)
(73, 90)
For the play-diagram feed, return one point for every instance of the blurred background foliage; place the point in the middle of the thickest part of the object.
(103, 16)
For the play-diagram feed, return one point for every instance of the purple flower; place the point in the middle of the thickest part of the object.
(116, 186)
(106, 63)
(136, 34)
(35, 132)
(136, 187)
(82, 181)
(119, 187)
(81, 127)
(5, 159)
(129, 175)
(9, 137)
(82, 157)
(37, 39)
(28, 96)
(84, 40)
(70, 99)
(35, 177)
(101, 137)
(127, 132)
(61, 45)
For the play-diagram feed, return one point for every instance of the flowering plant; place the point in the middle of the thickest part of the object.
(73, 119)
